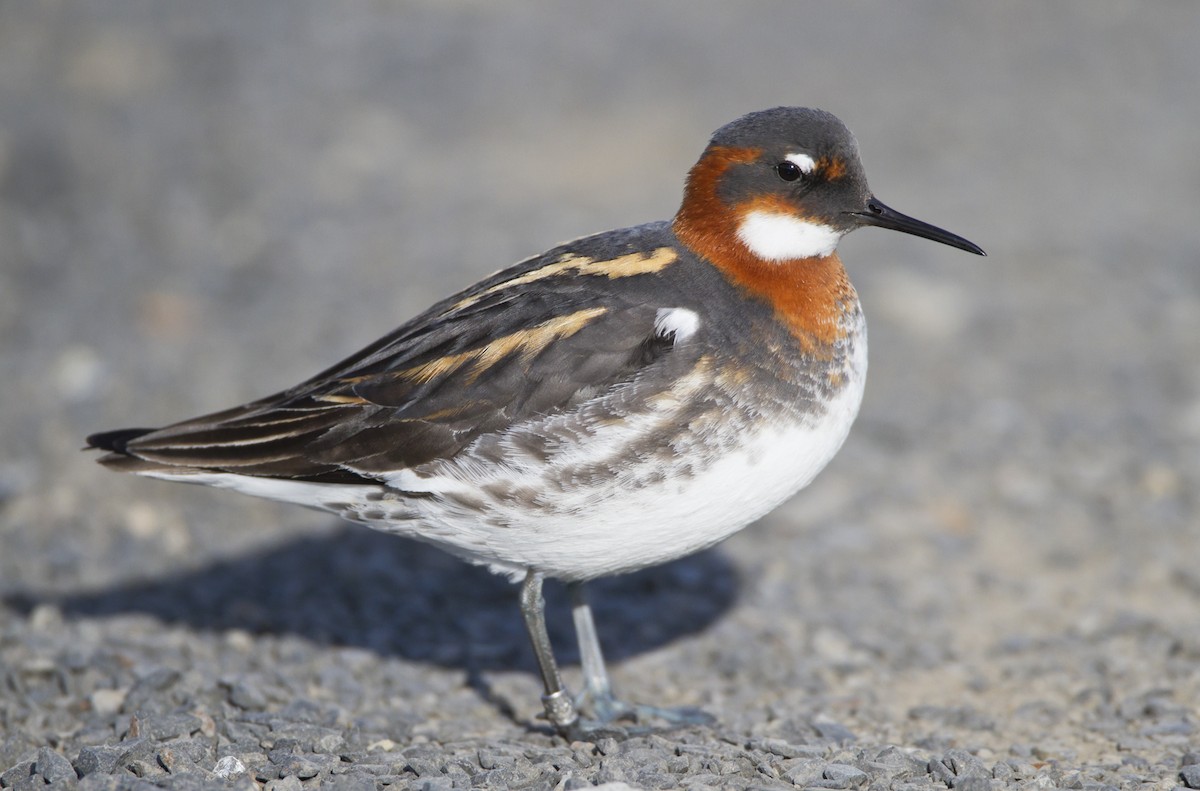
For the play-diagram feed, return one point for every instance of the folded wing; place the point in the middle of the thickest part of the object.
(474, 364)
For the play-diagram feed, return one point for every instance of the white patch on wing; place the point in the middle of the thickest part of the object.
(678, 322)
(803, 161)
(774, 236)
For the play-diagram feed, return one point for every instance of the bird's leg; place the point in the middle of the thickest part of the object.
(597, 692)
(597, 697)
(560, 709)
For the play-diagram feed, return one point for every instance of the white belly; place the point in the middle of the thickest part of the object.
(655, 524)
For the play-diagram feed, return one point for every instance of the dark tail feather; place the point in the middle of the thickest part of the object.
(115, 441)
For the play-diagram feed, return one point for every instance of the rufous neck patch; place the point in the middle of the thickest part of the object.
(809, 295)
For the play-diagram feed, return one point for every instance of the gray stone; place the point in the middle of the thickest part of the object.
(284, 784)
(304, 766)
(104, 782)
(517, 775)
(169, 726)
(228, 768)
(143, 768)
(955, 767)
(53, 766)
(972, 783)
(806, 772)
(833, 731)
(425, 761)
(607, 746)
(30, 782)
(434, 784)
(99, 758)
(15, 773)
(147, 693)
(844, 776)
(247, 695)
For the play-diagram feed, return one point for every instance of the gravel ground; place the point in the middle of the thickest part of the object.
(995, 585)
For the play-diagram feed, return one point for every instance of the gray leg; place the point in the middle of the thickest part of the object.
(597, 698)
(560, 710)
(597, 692)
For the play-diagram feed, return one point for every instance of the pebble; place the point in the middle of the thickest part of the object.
(249, 696)
(108, 701)
(843, 776)
(833, 731)
(16, 773)
(779, 747)
(228, 768)
(806, 772)
(607, 746)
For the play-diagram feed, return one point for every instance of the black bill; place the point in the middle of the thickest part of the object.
(882, 215)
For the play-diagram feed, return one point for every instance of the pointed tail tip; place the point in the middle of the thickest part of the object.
(114, 441)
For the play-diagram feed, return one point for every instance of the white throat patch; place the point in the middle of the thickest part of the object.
(774, 236)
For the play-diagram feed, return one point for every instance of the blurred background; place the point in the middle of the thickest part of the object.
(203, 203)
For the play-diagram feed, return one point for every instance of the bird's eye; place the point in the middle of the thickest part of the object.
(788, 171)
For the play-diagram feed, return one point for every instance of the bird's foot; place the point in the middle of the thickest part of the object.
(604, 715)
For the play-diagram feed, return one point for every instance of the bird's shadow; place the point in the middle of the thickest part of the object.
(355, 587)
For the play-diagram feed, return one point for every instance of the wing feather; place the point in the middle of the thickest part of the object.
(512, 347)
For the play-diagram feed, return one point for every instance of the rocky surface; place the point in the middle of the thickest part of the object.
(995, 585)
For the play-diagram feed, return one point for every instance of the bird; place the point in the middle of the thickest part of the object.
(615, 403)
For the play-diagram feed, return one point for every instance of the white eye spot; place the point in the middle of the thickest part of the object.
(803, 161)
(680, 323)
(779, 237)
